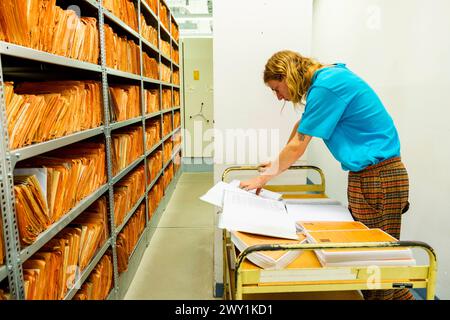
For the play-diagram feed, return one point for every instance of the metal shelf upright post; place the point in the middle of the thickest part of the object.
(107, 132)
(10, 231)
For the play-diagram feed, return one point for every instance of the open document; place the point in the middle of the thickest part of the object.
(247, 213)
(215, 194)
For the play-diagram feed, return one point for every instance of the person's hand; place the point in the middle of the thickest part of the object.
(255, 183)
(264, 166)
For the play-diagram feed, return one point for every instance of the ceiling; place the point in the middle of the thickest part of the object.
(194, 17)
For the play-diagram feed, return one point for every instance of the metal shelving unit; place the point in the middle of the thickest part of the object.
(15, 254)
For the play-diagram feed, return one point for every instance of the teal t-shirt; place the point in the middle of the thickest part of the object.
(347, 114)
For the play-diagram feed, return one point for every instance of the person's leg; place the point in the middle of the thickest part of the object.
(377, 198)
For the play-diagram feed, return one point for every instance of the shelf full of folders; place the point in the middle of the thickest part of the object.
(91, 100)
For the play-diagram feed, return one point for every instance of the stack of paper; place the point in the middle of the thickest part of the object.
(149, 32)
(267, 259)
(215, 195)
(123, 9)
(164, 15)
(71, 173)
(152, 132)
(152, 100)
(50, 272)
(121, 53)
(99, 283)
(176, 77)
(127, 146)
(40, 111)
(167, 151)
(31, 208)
(168, 175)
(176, 140)
(248, 213)
(359, 256)
(42, 25)
(175, 32)
(128, 238)
(154, 165)
(154, 197)
(126, 102)
(166, 99)
(167, 124)
(150, 66)
(93, 224)
(165, 47)
(176, 98)
(153, 4)
(4, 295)
(175, 55)
(127, 192)
(166, 72)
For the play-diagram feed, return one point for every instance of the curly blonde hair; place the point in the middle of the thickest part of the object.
(296, 69)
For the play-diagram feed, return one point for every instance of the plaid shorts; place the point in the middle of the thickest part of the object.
(377, 197)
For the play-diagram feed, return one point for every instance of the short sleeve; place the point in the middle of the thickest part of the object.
(323, 111)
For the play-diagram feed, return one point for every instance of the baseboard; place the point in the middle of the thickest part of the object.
(196, 164)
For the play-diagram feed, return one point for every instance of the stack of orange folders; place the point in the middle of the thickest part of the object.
(153, 4)
(150, 67)
(99, 283)
(94, 231)
(40, 111)
(152, 100)
(148, 32)
(174, 31)
(168, 149)
(168, 175)
(176, 98)
(154, 197)
(176, 77)
(121, 53)
(126, 102)
(42, 25)
(127, 192)
(128, 238)
(349, 232)
(166, 73)
(166, 99)
(167, 124)
(53, 270)
(71, 173)
(154, 165)
(165, 48)
(127, 146)
(152, 133)
(123, 9)
(267, 259)
(164, 15)
(175, 55)
(176, 119)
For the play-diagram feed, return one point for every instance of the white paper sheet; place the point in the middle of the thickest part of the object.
(215, 194)
(242, 212)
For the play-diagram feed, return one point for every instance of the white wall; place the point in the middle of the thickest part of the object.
(246, 34)
(402, 49)
(198, 56)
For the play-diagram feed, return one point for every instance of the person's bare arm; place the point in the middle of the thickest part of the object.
(294, 131)
(290, 153)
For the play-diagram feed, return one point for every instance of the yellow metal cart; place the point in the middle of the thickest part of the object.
(243, 279)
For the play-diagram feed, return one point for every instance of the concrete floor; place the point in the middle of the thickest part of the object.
(178, 263)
